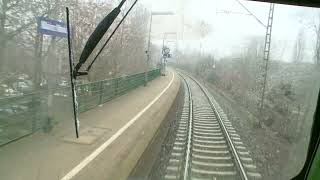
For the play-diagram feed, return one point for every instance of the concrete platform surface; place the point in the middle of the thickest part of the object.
(113, 137)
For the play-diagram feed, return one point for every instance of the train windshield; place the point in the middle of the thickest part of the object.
(173, 89)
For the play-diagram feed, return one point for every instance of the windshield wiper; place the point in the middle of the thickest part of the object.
(97, 35)
(92, 42)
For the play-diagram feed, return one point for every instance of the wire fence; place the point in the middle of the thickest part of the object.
(25, 114)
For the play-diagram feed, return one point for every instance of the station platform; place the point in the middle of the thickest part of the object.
(113, 136)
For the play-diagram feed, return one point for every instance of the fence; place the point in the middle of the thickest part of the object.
(93, 94)
(23, 115)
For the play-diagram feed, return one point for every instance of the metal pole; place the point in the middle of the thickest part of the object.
(266, 53)
(37, 80)
(72, 76)
(162, 58)
(200, 49)
(51, 73)
(164, 37)
(148, 51)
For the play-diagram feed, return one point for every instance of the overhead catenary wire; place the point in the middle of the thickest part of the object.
(251, 13)
(113, 32)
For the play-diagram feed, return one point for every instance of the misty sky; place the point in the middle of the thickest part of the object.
(231, 32)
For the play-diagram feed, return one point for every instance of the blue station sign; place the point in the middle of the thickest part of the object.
(52, 27)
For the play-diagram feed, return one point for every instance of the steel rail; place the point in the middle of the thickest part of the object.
(186, 166)
(232, 147)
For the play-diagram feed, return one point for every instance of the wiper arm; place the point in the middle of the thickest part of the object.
(96, 36)
(109, 38)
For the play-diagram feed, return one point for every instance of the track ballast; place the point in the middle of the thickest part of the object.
(206, 145)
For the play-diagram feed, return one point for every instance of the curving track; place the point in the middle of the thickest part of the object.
(206, 145)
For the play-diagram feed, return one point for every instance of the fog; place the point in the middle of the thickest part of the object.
(232, 27)
(271, 102)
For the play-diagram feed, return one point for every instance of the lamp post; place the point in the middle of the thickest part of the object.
(164, 53)
(160, 13)
(165, 36)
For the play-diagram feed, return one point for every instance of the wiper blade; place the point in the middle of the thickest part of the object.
(96, 36)
(109, 38)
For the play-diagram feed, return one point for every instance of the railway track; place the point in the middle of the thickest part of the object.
(206, 145)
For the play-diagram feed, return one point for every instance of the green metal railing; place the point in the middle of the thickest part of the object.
(92, 94)
(23, 115)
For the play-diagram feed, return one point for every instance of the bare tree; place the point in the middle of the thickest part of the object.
(19, 38)
(299, 47)
(124, 54)
(203, 29)
(317, 45)
(18, 22)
